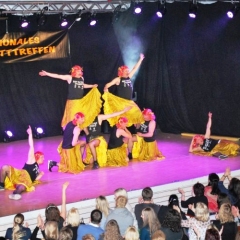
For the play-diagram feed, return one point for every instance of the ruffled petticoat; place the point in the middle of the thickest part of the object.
(117, 157)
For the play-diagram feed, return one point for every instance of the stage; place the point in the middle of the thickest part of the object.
(179, 165)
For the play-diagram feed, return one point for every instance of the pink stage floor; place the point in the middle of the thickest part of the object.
(179, 165)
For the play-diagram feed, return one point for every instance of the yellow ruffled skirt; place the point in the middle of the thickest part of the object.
(19, 176)
(113, 104)
(90, 105)
(101, 153)
(146, 151)
(117, 157)
(225, 147)
(70, 160)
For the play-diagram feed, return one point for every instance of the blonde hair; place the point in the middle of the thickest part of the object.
(120, 192)
(201, 212)
(158, 235)
(102, 205)
(73, 217)
(88, 237)
(51, 230)
(225, 213)
(131, 233)
(121, 202)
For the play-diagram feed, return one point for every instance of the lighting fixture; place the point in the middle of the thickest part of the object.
(137, 8)
(233, 11)
(24, 23)
(63, 20)
(41, 19)
(193, 9)
(93, 20)
(8, 136)
(38, 132)
(161, 8)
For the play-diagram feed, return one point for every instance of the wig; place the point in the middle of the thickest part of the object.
(121, 120)
(38, 154)
(121, 70)
(74, 70)
(195, 138)
(149, 113)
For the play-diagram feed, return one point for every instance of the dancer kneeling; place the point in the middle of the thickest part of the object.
(71, 148)
(120, 139)
(22, 179)
(206, 146)
(145, 148)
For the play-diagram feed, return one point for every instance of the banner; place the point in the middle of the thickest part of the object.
(29, 46)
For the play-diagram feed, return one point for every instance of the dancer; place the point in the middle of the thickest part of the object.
(71, 148)
(97, 145)
(123, 97)
(75, 100)
(120, 139)
(206, 146)
(23, 179)
(145, 147)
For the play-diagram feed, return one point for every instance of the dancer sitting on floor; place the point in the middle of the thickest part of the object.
(71, 148)
(206, 146)
(23, 179)
(123, 96)
(96, 149)
(145, 147)
(75, 100)
(120, 139)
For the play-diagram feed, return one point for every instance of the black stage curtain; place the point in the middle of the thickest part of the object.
(190, 68)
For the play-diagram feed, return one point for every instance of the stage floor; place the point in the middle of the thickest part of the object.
(179, 165)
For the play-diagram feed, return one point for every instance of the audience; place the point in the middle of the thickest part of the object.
(123, 217)
(93, 227)
(150, 223)
(66, 234)
(145, 202)
(111, 231)
(158, 235)
(131, 233)
(73, 221)
(88, 237)
(51, 230)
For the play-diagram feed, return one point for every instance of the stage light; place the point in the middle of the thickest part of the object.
(137, 9)
(38, 132)
(78, 17)
(93, 20)
(41, 19)
(193, 9)
(161, 8)
(63, 21)
(233, 11)
(8, 136)
(24, 23)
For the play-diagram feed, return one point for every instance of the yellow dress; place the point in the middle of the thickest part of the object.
(90, 105)
(101, 152)
(70, 160)
(19, 176)
(117, 157)
(113, 103)
(146, 151)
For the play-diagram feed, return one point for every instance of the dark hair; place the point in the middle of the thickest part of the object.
(147, 194)
(173, 201)
(112, 231)
(222, 198)
(212, 234)
(96, 216)
(198, 189)
(52, 213)
(172, 220)
(234, 187)
(213, 179)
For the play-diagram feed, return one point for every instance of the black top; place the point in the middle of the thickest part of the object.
(209, 144)
(94, 130)
(144, 128)
(32, 169)
(124, 89)
(138, 211)
(68, 136)
(114, 141)
(76, 89)
(229, 229)
(170, 235)
(193, 200)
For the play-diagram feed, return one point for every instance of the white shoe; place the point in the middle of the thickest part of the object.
(15, 196)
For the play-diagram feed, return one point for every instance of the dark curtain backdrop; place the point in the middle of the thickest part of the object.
(191, 67)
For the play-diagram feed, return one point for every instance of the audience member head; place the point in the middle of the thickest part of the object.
(212, 233)
(88, 237)
(198, 189)
(17, 227)
(222, 198)
(225, 213)
(131, 233)
(234, 187)
(39, 157)
(172, 220)
(102, 205)
(18, 219)
(150, 219)
(147, 194)
(66, 233)
(52, 213)
(112, 231)
(51, 230)
(158, 235)
(96, 216)
(213, 180)
(73, 217)
(173, 201)
(120, 192)
(121, 202)
(201, 212)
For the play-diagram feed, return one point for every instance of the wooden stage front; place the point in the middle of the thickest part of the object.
(179, 165)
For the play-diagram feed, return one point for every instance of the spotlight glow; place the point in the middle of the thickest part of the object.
(230, 14)
(9, 133)
(93, 22)
(138, 10)
(64, 23)
(192, 15)
(159, 14)
(39, 130)
(24, 24)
